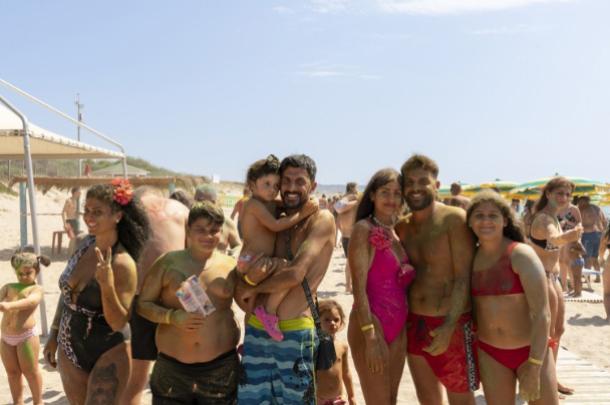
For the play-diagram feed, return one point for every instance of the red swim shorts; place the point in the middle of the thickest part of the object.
(456, 368)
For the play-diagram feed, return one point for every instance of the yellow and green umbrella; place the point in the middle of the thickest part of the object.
(584, 186)
(504, 187)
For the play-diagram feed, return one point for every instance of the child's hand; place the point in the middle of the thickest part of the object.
(311, 207)
(104, 274)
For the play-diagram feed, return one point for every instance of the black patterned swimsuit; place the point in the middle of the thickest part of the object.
(84, 335)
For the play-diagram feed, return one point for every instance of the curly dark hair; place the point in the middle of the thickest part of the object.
(379, 179)
(263, 167)
(133, 228)
(513, 229)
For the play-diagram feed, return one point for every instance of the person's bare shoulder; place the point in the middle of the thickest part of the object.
(176, 209)
(451, 215)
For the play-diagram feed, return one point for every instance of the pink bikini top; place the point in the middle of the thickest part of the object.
(499, 279)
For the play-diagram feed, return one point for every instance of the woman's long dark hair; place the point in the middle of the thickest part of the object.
(133, 228)
(513, 229)
(553, 184)
(381, 178)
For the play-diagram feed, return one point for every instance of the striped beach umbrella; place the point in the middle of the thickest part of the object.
(584, 186)
(503, 186)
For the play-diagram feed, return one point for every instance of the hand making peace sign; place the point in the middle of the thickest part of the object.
(104, 274)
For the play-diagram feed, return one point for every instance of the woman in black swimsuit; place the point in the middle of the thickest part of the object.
(97, 288)
(546, 238)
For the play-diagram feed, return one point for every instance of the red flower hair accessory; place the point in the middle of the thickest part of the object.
(123, 192)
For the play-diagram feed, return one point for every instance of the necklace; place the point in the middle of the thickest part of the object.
(378, 222)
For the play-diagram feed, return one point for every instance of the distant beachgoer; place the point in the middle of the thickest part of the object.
(260, 223)
(330, 383)
(594, 223)
(527, 216)
(346, 218)
(568, 218)
(439, 330)
(604, 255)
(230, 242)
(167, 219)
(20, 343)
(511, 307)
(458, 200)
(323, 202)
(546, 237)
(515, 205)
(381, 274)
(574, 256)
(70, 214)
(237, 209)
(97, 290)
(305, 250)
(197, 361)
(182, 197)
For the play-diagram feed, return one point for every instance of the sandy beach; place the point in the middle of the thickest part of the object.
(585, 337)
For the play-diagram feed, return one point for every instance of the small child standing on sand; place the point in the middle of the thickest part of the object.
(20, 344)
(259, 224)
(329, 383)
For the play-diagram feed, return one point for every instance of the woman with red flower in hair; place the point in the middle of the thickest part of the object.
(381, 274)
(97, 288)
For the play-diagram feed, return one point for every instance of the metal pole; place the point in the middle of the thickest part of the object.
(79, 117)
(31, 194)
(23, 214)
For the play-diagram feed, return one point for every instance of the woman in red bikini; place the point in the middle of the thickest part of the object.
(511, 305)
(381, 274)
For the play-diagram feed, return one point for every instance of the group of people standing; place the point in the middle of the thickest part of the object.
(460, 295)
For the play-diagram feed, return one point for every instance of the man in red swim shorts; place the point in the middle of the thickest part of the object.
(439, 329)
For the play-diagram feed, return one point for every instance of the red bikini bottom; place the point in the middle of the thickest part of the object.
(509, 358)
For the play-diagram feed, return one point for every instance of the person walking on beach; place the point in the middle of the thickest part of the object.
(197, 360)
(546, 237)
(457, 199)
(167, 219)
(511, 307)
(20, 344)
(70, 214)
(440, 247)
(346, 218)
(97, 289)
(238, 207)
(305, 250)
(594, 222)
(604, 257)
(381, 274)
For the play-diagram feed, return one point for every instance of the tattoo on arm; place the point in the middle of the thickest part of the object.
(104, 385)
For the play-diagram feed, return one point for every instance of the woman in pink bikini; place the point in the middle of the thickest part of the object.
(511, 305)
(381, 274)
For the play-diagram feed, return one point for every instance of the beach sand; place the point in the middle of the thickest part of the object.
(586, 334)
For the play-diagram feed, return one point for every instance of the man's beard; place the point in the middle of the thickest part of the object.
(425, 202)
(293, 204)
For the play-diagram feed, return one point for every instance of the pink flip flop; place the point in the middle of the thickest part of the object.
(270, 323)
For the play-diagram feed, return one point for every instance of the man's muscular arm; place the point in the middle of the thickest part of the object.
(322, 232)
(461, 243)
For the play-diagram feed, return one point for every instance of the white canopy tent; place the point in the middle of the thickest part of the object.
(21, 140)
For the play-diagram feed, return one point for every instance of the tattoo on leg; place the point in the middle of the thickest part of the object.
(104, 385)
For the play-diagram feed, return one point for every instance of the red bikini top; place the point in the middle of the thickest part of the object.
(500, 279)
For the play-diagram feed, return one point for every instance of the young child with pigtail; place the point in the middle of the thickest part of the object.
(20, 344)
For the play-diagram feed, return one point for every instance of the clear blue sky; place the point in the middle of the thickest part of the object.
(510, 89)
